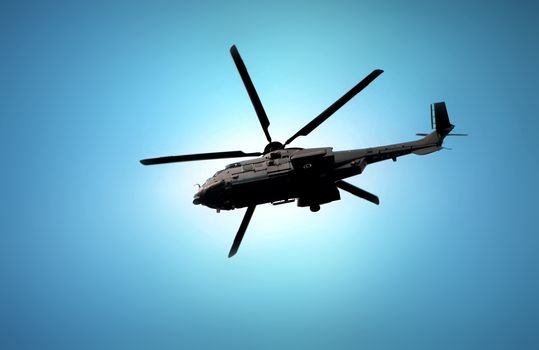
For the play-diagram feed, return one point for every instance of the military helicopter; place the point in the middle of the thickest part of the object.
(312, 176)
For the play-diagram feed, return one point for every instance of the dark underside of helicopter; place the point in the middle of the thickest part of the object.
(309, 175)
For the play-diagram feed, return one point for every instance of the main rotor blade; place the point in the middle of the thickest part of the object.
(241, 231)
(335, 106)
(199, 156)
(356, 191)
(257, 104)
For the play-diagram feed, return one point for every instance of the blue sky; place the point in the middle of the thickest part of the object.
(97, 251)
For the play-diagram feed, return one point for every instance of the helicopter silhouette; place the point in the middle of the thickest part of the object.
(312, 176)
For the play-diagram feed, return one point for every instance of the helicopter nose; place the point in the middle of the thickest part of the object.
(198, 198)
(209, 195)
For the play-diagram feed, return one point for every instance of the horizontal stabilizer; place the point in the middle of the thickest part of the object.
(451, 134)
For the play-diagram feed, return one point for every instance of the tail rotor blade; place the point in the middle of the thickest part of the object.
(313, 124)
(356, 191)
(241, 231)
(257, 104)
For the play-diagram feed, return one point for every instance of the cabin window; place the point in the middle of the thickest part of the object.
(233, 165)
(248, 167)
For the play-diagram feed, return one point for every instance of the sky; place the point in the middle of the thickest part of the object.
(97, 251)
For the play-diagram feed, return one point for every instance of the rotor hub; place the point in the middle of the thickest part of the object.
(273, 146)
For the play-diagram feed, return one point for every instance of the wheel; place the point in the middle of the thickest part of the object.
(314, 208)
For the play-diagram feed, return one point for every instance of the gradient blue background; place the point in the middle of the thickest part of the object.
(97, 251)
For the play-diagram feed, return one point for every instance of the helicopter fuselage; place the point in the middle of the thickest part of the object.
(309, 175)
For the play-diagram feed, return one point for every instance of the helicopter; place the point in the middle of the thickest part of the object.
(311, 176)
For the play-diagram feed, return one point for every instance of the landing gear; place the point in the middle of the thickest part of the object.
(314, 208)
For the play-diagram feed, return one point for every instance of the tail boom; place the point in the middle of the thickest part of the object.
(430, 143)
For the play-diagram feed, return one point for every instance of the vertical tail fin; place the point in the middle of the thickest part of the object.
(439, 118)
